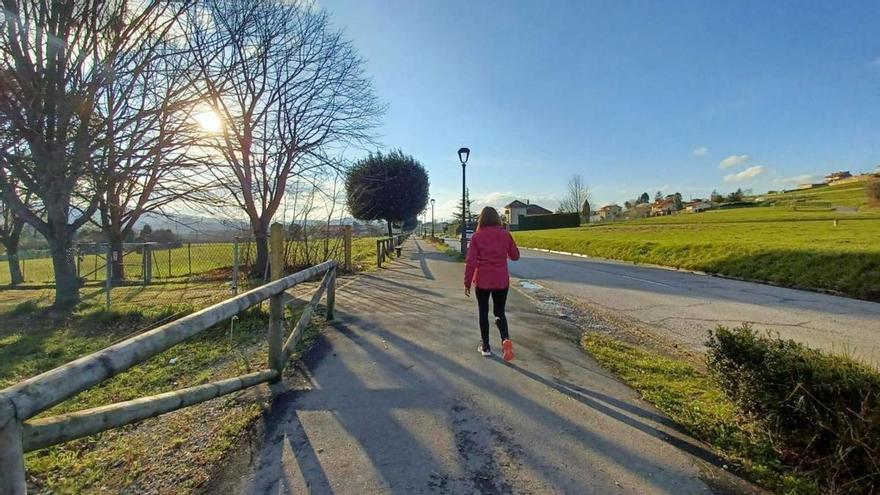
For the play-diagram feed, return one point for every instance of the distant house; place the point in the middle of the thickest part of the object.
(811, 185)
(663, 207)
(640, 210)
(517, 209)
(609, 213)
(697, 206)
(835, 176)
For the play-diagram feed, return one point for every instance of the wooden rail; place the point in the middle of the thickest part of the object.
(385, 246)
(22, 401)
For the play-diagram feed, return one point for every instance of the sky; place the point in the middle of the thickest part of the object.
(673, 96)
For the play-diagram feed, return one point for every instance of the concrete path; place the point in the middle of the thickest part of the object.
(683, 306)
(399, 401)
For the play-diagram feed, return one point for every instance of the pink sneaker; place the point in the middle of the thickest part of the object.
(507, 348)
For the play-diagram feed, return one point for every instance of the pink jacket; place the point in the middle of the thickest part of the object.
(487, 258)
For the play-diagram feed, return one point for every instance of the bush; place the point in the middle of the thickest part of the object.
(821, 412)
(554, 221)
(873, 191)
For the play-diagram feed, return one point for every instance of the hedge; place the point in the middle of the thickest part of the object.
(554, 221)
(820, 411)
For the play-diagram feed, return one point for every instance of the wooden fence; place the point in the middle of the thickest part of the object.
(386, 246)
(20, 402)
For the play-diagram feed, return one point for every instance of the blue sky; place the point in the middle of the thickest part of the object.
(634, 96)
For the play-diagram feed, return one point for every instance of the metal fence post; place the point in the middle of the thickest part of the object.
(148, 263)
(12, 477)
(346, 232)
(189, 257)
(235, 266)
(168, 275)
(276, 303)
(331, 295)
(109, 282)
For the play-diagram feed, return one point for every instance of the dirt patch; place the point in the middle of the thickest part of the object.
(591, 318)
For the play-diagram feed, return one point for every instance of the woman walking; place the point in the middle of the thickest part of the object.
(487, 256)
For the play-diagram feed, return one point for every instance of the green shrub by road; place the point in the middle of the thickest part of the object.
(791, 248)
(696, 401)
(820, 412)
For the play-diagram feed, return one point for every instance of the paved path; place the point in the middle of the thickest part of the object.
(399, 401)
(683, 306)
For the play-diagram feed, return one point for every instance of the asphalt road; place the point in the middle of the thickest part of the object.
(683, 306)
(398, 400)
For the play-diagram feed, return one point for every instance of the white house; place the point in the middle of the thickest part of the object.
(609, 212)
(517, 209)
(697, 206)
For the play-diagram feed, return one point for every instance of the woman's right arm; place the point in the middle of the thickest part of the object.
(471, 265)
(512, 250)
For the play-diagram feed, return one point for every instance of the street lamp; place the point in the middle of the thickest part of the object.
(463, 154)
(432, 218)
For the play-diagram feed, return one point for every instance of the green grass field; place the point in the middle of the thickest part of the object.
(776, 244)
(143, 457)
(198, 260)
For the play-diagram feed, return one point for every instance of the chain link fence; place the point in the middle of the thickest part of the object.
(226, 268)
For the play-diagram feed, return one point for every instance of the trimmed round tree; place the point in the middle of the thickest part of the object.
(392, 187)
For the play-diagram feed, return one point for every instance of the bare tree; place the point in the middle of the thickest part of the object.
(286, 87)
(56, 59)
(148, 113)
(577, 198)
(11, 226)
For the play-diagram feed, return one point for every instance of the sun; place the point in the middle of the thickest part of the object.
(209, 121)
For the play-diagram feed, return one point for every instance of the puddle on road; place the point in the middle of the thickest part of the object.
(529, 285)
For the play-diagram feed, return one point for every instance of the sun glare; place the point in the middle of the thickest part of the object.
(209, 121)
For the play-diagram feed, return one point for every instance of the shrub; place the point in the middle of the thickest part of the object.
(554, 221)
(873, 191)
(821, 412)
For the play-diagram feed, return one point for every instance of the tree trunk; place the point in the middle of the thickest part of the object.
(261, 240)
(66, 281)
(14, 266)
(117, 263)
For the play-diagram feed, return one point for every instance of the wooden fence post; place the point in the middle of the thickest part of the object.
(12, 477)
(109, 282)
(347, 246)
(379, 246)
(331, 295)
(276, 303)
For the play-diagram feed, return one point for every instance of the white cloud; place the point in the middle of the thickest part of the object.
(701, 151)
(798, 179)
(746, 175)
(734, 160)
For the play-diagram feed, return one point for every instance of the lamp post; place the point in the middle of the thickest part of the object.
(463, 154)
(432, 218)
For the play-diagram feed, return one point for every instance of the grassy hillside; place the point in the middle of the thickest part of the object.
(852, 195)
(776, 244)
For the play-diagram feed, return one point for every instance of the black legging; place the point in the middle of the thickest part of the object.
(499, 299)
